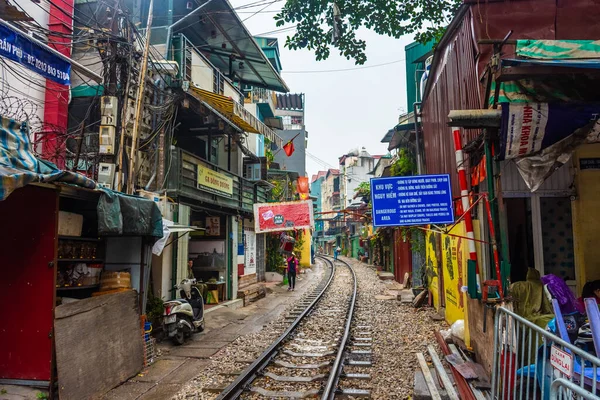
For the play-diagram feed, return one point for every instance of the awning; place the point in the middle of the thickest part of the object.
(236, 113)
(216, 30)
(20, 167)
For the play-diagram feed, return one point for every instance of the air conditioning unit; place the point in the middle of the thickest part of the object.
(107, 139)
(109, 110)
(106, 175)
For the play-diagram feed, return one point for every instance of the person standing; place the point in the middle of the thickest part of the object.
(292, 268)
(335, 253)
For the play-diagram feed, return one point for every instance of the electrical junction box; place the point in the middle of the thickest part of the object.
(109, 110)
(106, 175)
(107, 139)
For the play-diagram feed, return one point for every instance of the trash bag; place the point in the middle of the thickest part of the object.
(458, 329)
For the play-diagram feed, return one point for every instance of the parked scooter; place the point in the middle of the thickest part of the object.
(185, 315)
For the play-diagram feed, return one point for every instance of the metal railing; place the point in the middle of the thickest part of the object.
(533, 363)
(183, 178)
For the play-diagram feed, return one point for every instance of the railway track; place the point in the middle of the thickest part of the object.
(309, 359)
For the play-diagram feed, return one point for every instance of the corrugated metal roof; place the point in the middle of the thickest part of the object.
(290, 101)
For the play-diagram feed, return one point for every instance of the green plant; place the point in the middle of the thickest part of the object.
(41, 396)
(334, 24)
(274, 259)
(3, 391)
(299, 245)
(404, 164)
(154, 308)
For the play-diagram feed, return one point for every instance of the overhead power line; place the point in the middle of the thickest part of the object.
(345, 69)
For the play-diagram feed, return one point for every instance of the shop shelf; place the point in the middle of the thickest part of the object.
(78, 287)
(82, 260)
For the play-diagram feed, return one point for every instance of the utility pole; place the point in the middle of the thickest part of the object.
(126, 73)
(139, 102)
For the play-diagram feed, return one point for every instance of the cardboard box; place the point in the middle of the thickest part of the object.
(69, 224)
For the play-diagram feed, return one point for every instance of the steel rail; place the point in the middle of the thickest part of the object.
(338, 365)
(237, 387)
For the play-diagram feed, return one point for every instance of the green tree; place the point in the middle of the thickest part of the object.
(325, 24)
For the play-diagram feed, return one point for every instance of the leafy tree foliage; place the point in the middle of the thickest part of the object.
(325, 24)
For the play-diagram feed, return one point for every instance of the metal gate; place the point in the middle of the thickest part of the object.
(532, 363)
(261, 259)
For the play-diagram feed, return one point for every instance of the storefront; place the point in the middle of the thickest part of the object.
(81, 289)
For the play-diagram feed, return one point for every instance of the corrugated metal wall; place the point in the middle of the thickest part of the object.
(558, 184)
(455, 87)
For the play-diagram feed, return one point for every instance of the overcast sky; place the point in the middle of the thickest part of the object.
(347, 109)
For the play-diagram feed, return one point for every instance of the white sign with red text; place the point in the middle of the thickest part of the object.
(562, 361)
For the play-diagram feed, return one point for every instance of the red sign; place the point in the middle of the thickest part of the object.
(286, 216)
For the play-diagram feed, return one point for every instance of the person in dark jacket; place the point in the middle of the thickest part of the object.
(292, 268)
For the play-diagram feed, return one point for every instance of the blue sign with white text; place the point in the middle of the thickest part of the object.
(412, 200)
(17, 47)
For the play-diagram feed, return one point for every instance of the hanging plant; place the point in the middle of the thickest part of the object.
(404, 164)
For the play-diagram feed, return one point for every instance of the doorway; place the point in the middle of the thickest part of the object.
(520, 233)
(540, 235)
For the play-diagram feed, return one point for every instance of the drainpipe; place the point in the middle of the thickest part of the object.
(418, 138)
(170, 29)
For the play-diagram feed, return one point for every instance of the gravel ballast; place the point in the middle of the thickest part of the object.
(398, 332)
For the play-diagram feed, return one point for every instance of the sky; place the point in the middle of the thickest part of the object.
(344, 110)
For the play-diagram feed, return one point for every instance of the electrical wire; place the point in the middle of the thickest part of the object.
(345, 69)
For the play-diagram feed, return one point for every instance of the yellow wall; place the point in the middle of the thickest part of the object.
(455, 256)
(452, 268)
(305, 252)
(432, 265)
(586, 217)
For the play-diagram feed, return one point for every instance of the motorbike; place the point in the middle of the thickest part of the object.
(184, 316)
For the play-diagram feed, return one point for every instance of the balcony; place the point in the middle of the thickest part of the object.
(265, 99)
(197, 179)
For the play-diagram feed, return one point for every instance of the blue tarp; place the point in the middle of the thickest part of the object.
(20, 167)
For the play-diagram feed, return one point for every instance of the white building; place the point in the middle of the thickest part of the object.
(354, 169)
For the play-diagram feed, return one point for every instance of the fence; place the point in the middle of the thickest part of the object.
(533, 363)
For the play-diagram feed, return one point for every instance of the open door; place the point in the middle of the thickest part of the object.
(28, 237)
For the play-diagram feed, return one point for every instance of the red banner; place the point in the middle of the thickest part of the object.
(286, 216)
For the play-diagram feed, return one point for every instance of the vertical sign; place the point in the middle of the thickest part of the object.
(250, 252)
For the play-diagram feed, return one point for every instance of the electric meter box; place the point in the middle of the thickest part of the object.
(107, 139)
(106, 175)
(109, 110)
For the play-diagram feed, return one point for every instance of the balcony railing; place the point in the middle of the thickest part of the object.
(260, 95)
(197, 179)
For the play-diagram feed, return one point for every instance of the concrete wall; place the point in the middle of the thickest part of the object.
(30, 90)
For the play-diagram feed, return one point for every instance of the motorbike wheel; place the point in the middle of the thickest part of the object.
(179, 338)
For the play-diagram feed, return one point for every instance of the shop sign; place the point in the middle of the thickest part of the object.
(561, 361)
(285, 216)
(412, 200)
(214, 182)
(250, 252)
(527, 128)
(589, 163)
(17, 47)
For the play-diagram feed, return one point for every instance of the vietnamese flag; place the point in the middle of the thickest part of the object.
(289, 148)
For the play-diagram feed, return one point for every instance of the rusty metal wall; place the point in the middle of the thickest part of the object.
(455, 87)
